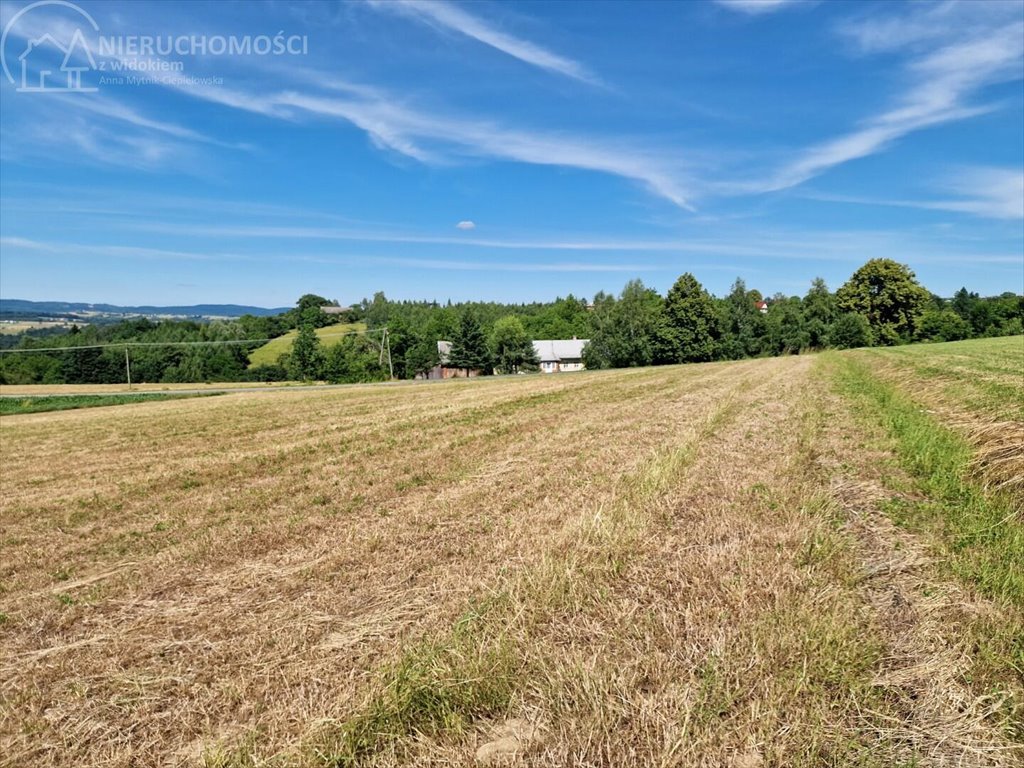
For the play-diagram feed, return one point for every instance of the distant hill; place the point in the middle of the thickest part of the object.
(22, 307)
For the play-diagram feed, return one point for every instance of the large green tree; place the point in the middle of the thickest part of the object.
(377, 312)
(563, 319)
(692, 323)
(942, 325)
(83, 366)
(849, 331)
(306, 361)
(627, 332)
(420, 357)
(469, 344)
(400, 339)
(354, 359)
(963, 302)
(511, 347)
(819, 312)
(785, 327)
(307, 310)
(744, 325)
(888, 295)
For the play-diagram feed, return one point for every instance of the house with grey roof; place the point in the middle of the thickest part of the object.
(332, 309)
(559, 355)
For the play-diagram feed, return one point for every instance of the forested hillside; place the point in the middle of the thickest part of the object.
(882, 304)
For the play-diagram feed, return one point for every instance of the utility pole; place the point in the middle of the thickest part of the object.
(387, 340)
(127, 367)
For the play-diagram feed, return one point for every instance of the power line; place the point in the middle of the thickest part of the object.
(120, 344)
(384, 340)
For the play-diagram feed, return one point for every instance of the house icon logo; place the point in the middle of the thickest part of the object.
(54, 60)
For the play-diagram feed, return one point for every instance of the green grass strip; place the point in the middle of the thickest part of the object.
(10, 406)
(982, 535)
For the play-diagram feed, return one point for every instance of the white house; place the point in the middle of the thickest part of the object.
(556, 355)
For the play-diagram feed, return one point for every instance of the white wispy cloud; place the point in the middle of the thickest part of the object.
(834, 245)
(98, 127)
(755, 7)
(992, 193)
(22, 242)
(82, 139)
(105, 107)
(432, 137)
(509, 266)
(950, 52)
(91, 250)
(466, 224)
(448, 16)
(949, 65)
(924, 24)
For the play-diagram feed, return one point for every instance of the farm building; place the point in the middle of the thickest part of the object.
(762, 307)
(330, 309)
(445, 371)
(557, 355)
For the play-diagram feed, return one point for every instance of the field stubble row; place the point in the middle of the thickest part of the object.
(668, 566)
(290, 522)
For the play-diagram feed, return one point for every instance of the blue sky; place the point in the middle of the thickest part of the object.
(508, 151)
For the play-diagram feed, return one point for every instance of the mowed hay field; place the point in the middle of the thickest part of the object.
(799, 561)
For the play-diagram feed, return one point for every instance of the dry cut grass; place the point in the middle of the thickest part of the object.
(999, 460)
(641, 567)
(975, 387)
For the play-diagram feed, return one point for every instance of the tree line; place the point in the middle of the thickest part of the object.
(881, 304)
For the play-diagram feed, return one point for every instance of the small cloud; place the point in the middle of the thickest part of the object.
(466, 224)
(754, 7)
